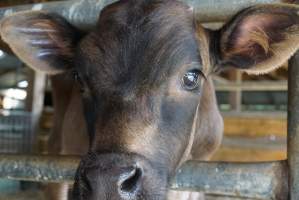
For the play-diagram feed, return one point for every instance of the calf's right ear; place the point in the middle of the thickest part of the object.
(43, 41)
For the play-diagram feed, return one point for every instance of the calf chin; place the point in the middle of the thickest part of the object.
(119, 177)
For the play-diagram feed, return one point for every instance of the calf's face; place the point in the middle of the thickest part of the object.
(142, 72)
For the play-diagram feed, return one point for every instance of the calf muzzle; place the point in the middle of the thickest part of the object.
(113, 176)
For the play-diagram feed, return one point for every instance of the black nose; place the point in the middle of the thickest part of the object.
(118, 177)
(110, 176)
(129, 182)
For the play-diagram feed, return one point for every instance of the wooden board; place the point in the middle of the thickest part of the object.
(247, 138)
(248, 155)
(255, 126)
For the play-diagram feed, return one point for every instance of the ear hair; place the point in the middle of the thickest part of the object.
(260, 38)
(42, 40)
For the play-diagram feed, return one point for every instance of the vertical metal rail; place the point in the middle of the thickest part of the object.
(293, 128)
(39, 87)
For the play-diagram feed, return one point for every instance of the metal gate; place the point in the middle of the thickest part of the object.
(16, 134)
(272, 180)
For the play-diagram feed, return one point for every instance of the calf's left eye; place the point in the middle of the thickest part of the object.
(191, 80)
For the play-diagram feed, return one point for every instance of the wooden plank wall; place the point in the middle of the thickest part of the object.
(246, 138)
(253, 139)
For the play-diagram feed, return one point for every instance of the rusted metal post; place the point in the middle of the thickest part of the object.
(293, 128)
(221, 10)
(38, 168)
(257, 181)
(39, 87)
(247, 180)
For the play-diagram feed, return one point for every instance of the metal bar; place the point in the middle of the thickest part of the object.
(38, 168)
(38, 96)
(81, 13)
(258, 181)
(238, 93)
(293, 128)
(221, 10)
(261, 181)
(84, 13)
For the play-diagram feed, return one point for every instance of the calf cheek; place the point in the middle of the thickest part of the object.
(176, 124)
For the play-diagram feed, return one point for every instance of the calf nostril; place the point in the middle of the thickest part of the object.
(129, 182)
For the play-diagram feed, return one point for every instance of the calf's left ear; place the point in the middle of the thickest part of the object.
(44, 41)
(260, 38)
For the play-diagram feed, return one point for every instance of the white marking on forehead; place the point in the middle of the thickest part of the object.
(38, 6)
(8, 12)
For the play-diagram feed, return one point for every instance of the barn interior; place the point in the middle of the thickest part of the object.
(254, 110)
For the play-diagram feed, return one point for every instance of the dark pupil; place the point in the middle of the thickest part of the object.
(190, 80)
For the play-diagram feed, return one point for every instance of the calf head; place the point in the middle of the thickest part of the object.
(144, 74)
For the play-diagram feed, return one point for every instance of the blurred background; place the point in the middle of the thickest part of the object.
(254, 110)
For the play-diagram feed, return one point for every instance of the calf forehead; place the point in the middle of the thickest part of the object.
(138, 43)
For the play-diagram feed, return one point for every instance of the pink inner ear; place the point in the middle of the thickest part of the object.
(49, 38)
(252, 32)
(252, 22)
(261, 30)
